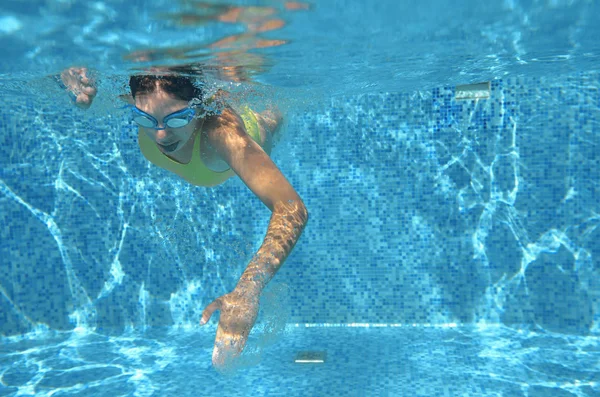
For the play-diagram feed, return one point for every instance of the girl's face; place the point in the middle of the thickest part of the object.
(160, 104)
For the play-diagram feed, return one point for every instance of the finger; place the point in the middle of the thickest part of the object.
(208, 311)
(83, 101)
(227, 350)
(228, 347)
(91, 91)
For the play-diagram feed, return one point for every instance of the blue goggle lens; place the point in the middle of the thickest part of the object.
(178, 122)
(144, 121)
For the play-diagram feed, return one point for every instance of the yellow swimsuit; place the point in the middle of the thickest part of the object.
(196, 172)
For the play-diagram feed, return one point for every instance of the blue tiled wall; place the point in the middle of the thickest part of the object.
(423, 209)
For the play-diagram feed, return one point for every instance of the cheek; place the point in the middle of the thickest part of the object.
(186, 131)
(148, 132)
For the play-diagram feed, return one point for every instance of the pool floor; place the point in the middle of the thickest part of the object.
(373, 361)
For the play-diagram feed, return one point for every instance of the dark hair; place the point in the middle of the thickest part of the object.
(181, 87)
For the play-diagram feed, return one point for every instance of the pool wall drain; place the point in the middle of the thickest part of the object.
(473, 91)
(310, 357)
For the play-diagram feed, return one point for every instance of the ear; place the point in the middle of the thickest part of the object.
(127, 98)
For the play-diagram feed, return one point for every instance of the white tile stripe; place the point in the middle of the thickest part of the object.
(309, 361)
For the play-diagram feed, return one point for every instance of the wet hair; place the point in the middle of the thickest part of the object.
(180, 86)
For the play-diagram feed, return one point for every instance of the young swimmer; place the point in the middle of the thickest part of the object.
(206, 150)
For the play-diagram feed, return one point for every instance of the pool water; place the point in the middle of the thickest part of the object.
(448, 156)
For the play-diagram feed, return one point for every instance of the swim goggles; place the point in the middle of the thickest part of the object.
(178, 119)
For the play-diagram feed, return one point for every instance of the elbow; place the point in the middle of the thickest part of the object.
(301, 217)
(294, 210)
(300, 210)
(303, 213)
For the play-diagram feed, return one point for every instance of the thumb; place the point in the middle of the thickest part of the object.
(208, 311)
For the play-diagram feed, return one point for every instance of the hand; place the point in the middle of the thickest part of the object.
(82, 88)
(238, 309)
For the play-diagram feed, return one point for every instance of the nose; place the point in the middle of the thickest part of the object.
(161, 134)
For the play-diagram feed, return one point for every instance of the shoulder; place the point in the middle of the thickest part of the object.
(227, 118)
(226, 129)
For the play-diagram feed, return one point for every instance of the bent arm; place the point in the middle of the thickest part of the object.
(256, 169)
(285, 227)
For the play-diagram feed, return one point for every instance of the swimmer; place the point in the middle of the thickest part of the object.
(206, 150)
